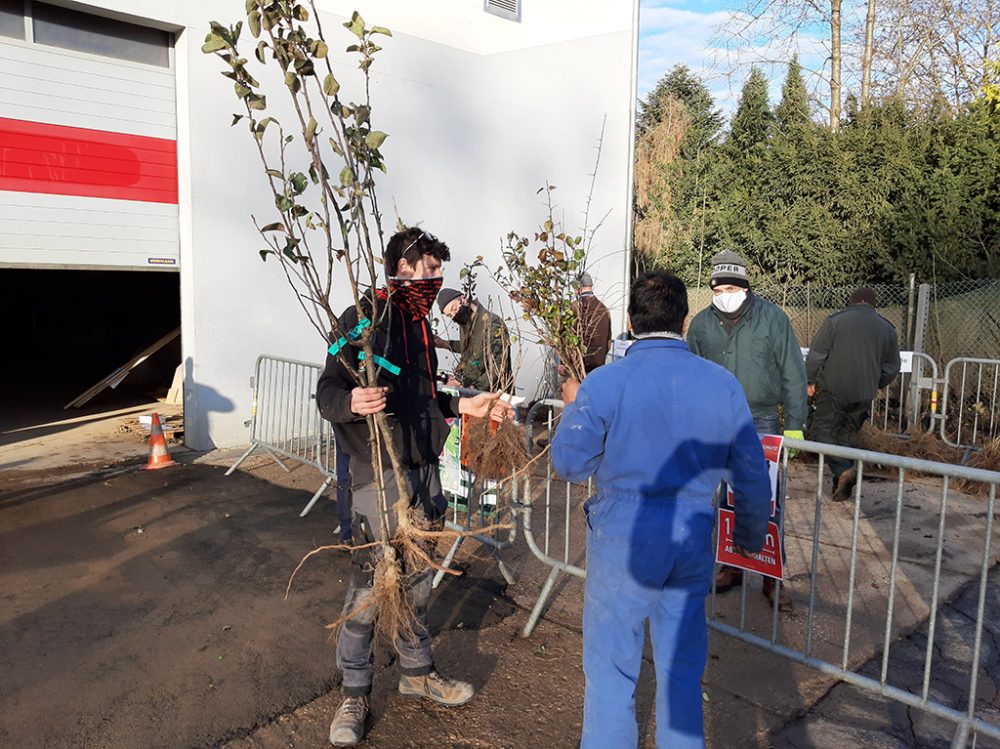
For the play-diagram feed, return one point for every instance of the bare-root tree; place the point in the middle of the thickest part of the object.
(327, 227)
(494, 453)
(542, 276)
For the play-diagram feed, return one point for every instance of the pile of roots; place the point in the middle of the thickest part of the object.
(494, 451)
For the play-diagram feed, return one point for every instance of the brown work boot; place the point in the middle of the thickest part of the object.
(348, 726)
(435, 687)
(845, 484)
(785, 604)
(727, 578)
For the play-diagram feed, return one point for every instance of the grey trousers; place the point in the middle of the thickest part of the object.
(354, 643)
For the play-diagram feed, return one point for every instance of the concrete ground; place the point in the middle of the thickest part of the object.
(38, 438)
(147, 609)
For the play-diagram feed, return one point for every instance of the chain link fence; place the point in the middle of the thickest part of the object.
(808, 306)
(963, 320)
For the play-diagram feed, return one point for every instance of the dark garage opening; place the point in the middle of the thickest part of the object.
(65, 330)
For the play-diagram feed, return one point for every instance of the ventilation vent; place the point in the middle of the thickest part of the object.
(509, 9)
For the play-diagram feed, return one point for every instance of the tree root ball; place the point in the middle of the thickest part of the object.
(494, 451)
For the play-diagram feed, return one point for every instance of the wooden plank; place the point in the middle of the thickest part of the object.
(115, 378)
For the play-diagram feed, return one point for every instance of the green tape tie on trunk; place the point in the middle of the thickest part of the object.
(354, 334)
(387, 365)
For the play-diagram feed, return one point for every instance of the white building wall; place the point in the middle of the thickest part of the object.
(480, 112)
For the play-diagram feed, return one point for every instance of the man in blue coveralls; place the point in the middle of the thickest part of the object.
(659, 429)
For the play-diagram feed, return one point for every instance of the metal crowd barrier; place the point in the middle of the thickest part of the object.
(970, 409)
(285, 422)
(910, 402)
(902, 604)
(571, 503)
(969, 414)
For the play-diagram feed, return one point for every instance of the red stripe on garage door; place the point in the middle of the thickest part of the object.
(61, 160)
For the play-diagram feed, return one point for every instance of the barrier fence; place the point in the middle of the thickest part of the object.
(873, 544)
(910, 402)
(285, 422)
(897, 582)
(969, 412)
(962, 406)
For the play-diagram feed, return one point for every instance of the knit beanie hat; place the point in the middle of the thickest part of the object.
(586, 279)
(729, 268)
(445, 296)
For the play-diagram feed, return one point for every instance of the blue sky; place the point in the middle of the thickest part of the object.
(686, 31)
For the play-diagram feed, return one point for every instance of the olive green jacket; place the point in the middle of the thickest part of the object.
(484, 353)
(762, 352)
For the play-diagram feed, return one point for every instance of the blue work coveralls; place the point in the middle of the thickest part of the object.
(659, 429)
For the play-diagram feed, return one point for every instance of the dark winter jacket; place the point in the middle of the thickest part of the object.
(855, 352)
(595, 322)
(760, 348)
(484, 350)
(417, 411)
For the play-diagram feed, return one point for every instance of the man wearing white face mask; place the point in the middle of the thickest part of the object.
(753, 339)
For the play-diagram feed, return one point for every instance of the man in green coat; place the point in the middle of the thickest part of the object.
(484, 345)
(754, 340)
(854, 354)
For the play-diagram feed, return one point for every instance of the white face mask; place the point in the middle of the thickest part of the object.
(731, 301)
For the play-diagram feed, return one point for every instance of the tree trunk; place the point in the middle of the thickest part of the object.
(866, 56)
(835, 62)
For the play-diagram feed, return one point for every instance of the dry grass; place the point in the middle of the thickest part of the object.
(916, 444)
(925, 446)
(655, 150)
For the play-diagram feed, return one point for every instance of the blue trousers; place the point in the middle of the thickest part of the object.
(646, 559)
(345, 505)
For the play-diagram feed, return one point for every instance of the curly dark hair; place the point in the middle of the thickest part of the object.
(411, 244)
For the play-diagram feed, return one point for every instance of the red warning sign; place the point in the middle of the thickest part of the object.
(768, 560)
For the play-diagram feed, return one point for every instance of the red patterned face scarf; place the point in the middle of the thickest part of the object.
(415, 297)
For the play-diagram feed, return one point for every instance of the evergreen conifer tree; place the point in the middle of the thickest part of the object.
(752, 121)
(792, 111)
(705, 119)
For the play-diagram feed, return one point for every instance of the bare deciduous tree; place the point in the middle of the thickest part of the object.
(916, 50)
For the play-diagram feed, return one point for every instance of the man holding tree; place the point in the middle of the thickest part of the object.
(407, 391)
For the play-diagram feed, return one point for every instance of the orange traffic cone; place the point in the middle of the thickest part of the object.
(159, 456)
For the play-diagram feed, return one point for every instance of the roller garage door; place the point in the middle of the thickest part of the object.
(88, 153)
